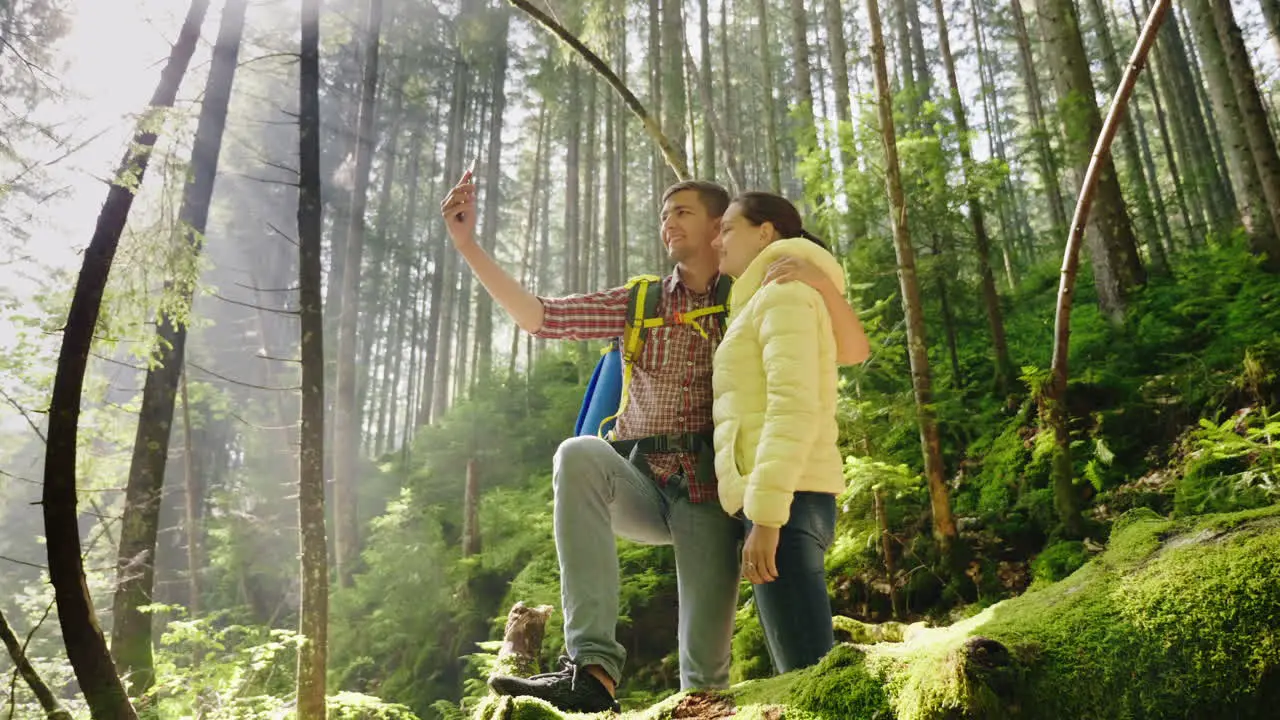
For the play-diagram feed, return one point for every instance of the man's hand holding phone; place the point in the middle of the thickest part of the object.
(459, 210)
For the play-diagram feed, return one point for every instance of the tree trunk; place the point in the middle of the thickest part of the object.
(493, 192)
(886, 548)
(528, 274)
(1254, 118)
(573, 185)
(1214, 137)
(1165, 244)
(445, 276)
(465, 364)
(770, 109)
(443, 281)
(1050, 176)
(653, 252)
(1053, 399)
(924, 78)
(314, 613)
(131, 640)
(1250, 197)
(704, 78)
(346, 523)
(1117, 268)
(1129, 141)
(1166, 140)
(587, 237)
(375, 341)
(838, 49)
(191, 505)
(990, 298)
(86, 647)
(612, 199)
(906, 73)
(675, 100)
(1199, 158)
(804, 75)
(944, 526)
(713, 121)
(471, 512)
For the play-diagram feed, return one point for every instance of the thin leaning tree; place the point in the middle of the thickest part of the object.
(86, 646)
(1053, 397)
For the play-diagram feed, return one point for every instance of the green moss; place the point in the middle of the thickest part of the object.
(1173, 621)
(750, 653)
(841, 686)
(1058, 561)
(866, 633)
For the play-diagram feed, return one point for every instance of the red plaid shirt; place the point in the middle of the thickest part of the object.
(670, 388)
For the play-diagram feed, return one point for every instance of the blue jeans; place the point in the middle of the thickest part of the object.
(795, 610)
(599, 495)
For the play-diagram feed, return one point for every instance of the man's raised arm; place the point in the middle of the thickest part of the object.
(459, 211)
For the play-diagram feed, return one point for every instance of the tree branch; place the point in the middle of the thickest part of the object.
(42, 692)
(251, 306)
(22, 411)
(673, 155)
(241, 383)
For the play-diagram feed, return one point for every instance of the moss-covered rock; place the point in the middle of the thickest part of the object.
(1175, 619)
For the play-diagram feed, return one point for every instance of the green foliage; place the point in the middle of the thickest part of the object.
(1233, 465)
(245, 671)
(354, 706)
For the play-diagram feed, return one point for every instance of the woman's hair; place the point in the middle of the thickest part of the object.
(761, 207)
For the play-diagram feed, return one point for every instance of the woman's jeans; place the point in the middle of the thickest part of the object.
(795, 610)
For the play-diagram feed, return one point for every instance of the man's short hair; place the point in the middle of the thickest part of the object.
(712, 195)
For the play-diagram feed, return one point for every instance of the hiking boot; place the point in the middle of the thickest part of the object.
(569, 689)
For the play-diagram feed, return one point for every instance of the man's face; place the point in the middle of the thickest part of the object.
(687, 227)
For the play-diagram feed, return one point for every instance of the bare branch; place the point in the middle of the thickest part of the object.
(242, 383)
(252, 306)
(282, 234)
(22, 411)
(264, 181)
(272, 290)
(269, 56)
(16, 561)
(278, 166)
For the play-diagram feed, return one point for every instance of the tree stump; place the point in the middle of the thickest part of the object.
(522, 640)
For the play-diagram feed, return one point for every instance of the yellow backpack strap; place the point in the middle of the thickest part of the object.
(642, 314)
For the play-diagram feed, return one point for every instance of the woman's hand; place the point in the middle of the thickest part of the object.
(759, 554)
(789, 269)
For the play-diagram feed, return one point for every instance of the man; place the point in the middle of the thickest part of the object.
(663, 497)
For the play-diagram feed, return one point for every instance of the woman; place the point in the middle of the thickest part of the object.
(777, 463)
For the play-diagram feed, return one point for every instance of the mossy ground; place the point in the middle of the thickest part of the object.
(1176, 619)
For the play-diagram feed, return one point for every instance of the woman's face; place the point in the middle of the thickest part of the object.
(739, 241)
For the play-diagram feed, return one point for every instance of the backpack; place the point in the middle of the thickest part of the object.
(606, 396)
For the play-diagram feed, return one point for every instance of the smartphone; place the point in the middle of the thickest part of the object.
(471, 178)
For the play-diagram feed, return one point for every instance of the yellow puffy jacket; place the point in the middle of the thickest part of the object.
(774, 383)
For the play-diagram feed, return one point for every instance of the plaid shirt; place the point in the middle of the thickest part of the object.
(670, 388)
